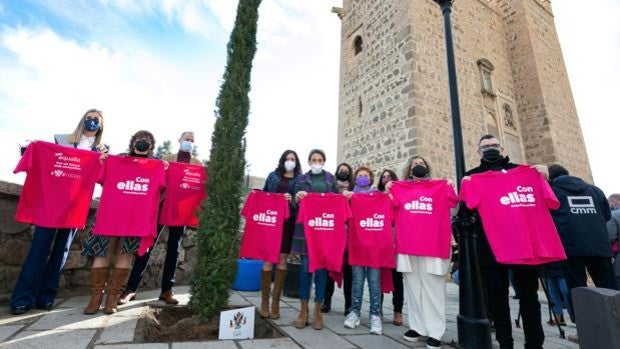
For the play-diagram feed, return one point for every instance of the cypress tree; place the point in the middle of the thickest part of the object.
(217, 238)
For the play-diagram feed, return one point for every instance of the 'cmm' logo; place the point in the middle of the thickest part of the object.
(581, 205)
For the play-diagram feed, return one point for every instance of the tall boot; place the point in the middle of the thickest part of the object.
(302, 318)
(277, 291)
(98, 277)
(265, 287)
(317, 323)
(117, 279)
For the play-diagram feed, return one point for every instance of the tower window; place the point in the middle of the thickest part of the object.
(360, 107)
(357, 44)
(486, 69)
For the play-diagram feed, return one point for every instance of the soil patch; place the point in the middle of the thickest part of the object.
(179, 324)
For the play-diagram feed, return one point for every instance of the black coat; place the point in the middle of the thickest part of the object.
(582, 217)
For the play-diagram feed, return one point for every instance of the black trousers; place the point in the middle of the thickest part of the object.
(599, 268)
(526, 280)
(175, 236)
(397, 294)
(346, 284)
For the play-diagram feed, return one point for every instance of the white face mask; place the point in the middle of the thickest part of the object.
(316, 168)
(187, 146)
(289, 165)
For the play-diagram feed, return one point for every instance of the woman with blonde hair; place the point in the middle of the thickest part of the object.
(37, 283)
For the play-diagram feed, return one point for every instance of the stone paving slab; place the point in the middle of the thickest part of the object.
(276, 343)
(118, 330)
(287, 317)
(8, 331)
(335, 322)
(235, 299)
(256, 301)
(310, 338)
(74, 339)
(374, 341)
(70, 319)
(135, 346)
(201, 345)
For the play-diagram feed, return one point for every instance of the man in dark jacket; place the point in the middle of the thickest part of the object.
(495, 275)
(581, 222)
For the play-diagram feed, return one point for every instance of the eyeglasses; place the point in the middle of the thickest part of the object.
(490, 146)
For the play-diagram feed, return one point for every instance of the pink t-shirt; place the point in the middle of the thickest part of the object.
(423, 217)
(130, 198)
(514, 208)
(324, 216)
(59, 185)
(264, 214)
(370, 241)
(185, 190)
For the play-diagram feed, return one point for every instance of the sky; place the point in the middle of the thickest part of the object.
(157, 65)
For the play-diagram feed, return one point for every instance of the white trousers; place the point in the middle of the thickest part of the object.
(425, 294)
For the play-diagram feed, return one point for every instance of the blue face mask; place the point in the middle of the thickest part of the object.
(91, 125)
(187, 146)
(362, 181)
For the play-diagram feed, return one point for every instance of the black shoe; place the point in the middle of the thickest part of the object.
(411, 336)
(326, 306)
(45, 306)
(19, 309)
(433, 343)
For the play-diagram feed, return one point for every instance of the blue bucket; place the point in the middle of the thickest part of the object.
(248, 275)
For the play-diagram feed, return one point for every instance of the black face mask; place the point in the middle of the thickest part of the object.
(492, 155)
(419, 171)
(342, 176)
(142, 145)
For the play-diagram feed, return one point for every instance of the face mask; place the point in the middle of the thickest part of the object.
(91, 125)
(419, 171)
(142, 145)
(492, 155)
(187, 146)
(362, 181)
(316, 168)
(289, 165)
(342, 176)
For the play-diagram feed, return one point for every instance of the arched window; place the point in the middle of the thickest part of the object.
(357, 44)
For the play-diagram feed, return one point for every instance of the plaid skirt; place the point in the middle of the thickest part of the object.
(97, 245)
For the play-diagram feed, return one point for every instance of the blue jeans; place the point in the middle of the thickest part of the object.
(557, 287)
(305, 279)
(175, 235)
(37, 283)
(374, 286)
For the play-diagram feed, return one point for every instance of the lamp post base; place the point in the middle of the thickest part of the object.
(474, 333)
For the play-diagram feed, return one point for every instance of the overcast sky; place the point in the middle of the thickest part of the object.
(157, 65)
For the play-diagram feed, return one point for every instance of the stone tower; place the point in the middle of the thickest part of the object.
(512, 83)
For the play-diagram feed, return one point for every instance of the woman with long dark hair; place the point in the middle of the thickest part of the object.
(281, 180)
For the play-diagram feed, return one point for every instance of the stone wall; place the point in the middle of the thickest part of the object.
(394, 99)
(15, 243)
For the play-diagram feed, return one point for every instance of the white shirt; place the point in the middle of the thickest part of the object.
(86, 143)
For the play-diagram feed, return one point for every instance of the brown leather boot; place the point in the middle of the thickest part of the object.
(302, 318)
(265, 287)
(168, 297)
(98, 277)
(277, 291)
(317, 323)
(117, 279)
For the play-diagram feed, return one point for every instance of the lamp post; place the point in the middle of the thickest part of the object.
(474, 329)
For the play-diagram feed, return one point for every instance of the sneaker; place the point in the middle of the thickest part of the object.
(411, 336)
(432, 343)
(352, 320)
(376, 327)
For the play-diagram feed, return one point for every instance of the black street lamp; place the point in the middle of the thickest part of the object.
(473, 326)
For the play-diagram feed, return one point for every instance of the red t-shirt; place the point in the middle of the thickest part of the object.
(130, 198)
(324, 216)
(264, 214)
(423, 217)
(59, 185)
(370, 231)
(185, 190)
(514, 208)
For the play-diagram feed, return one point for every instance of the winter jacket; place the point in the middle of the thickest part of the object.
(582, 217)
